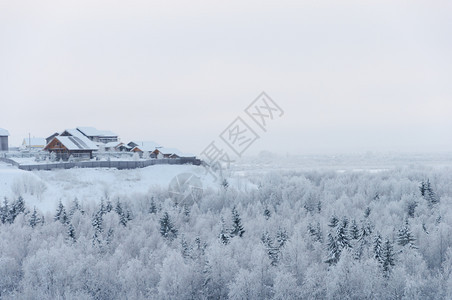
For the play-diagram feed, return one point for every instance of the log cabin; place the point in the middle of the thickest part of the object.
(67, 146)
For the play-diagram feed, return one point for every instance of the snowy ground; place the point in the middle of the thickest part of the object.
(87, 184)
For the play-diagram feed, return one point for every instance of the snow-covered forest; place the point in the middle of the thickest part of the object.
(297, 235)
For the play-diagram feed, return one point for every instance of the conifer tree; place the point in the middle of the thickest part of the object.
(103, 208)
(333, 221)
(411, 208)
(75, 207)
(167, 229)
(121, 213)
(110, 235)
(61, 213)
(354, 230)
(108, 207)
(405, 237)
(237, 227)
(18, 207)
(319, 234)
(118, 208)
(97, 223)
(199, 248)
(378, 252)
(342, 238)
(281, 237)
(153, 207)
(185, 248)
(387, 257)
(431, 195)
(272, 250)
(128, 213)
(333, 249)
(34, 218)
(4, 211)
(428, 193)
(224, 234)
(71, 233)
(312, 230)
(363, 242)
(422, 188)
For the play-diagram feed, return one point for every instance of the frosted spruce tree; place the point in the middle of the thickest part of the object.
(71, 233)
(60, 214)
(167, 228)
(333, 221)
(224, 233)
(405, 237)
(387, 258)
(237, 227)
(333, 250)
(377, 246)
(34, 218)
(342, 236)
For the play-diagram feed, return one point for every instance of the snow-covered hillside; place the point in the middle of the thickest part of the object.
(44, 189)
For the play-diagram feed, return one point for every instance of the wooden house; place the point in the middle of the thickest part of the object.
(143, 147)
(50, 138)
(163, 152)
(66, 146)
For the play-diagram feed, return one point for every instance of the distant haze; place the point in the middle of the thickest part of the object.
(351, 76)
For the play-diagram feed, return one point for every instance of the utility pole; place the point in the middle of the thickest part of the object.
(29, 142)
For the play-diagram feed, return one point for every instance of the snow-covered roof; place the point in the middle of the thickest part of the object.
(75, 143)
(91, 131)
(112, 144)
(4, 132)
(75, 133)
(53, 135)
(34, 141)
(146, 145)
(170, 151)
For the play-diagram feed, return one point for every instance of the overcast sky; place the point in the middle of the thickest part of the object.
(351, 76)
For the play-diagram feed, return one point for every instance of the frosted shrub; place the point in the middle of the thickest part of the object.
(28, 184)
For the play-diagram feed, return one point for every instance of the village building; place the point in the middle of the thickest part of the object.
(71, 146)
(144, 144)
(4, 134)
(163, 152)
(50, 138)
(143, 147)
(100, 136)
(34, 143)
(115, 146)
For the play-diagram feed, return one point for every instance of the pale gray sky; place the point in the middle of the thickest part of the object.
(352, 76)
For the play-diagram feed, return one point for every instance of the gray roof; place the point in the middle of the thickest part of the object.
(145, 145)
(91, 131)
(75, 133)
(75, 143)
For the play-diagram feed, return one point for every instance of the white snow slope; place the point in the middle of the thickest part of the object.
(44, 189)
